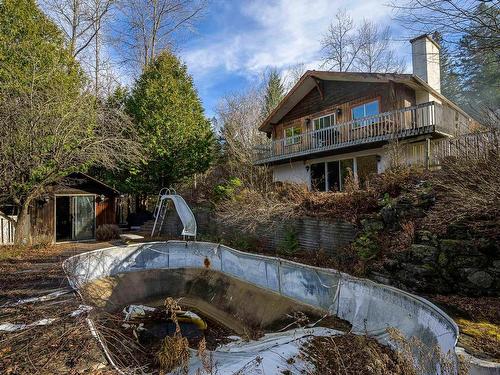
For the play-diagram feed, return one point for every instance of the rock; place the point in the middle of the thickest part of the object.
(425, 237)
(481, 279)
(391, 264)
(496, 264)
(372, 225)
(442, 259)
(423, 253)
(390, 217)
(454, 247)
(464, 261)
(380, 278)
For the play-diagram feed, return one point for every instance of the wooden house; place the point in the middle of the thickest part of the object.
(331, 123)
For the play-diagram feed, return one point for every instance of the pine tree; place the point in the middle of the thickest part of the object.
(275, 91)
(480, 68)
(451, 85)
(177, 138)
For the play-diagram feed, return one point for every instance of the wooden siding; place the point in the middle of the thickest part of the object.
(42, 210)
(105, 211)
(343, 96)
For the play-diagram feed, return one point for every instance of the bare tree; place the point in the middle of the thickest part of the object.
(49, 133)
(375, 53)
(453, 19)
(340, 44)
(80, 20)
(240, 115)
(83, 23)
(150, 25)
(292, 75)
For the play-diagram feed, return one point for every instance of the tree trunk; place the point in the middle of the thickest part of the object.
(23, 226)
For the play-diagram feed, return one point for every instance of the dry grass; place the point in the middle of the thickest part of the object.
(252, 208)
(352, 355)
(174, 350)
(468, 194)
(107, 232)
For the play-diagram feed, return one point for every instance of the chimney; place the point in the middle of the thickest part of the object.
(425, 60)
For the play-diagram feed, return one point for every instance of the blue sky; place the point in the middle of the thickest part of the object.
(237, 41)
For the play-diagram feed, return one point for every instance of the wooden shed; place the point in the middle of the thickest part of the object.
(73, 209)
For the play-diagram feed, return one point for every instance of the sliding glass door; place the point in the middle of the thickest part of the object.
(75, 218)
(83, 217)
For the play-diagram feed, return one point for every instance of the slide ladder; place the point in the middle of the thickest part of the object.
(185, 214)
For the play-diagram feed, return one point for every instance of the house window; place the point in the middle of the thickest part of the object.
(324, 121)
(318, 177)
(331, 176)
(292, 135)
(365, 110)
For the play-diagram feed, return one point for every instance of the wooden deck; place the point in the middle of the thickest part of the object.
(403, 123)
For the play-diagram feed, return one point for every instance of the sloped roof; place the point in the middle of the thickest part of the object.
(84, 182)
(309, 80)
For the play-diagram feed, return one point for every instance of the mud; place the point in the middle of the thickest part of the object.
(242, 307)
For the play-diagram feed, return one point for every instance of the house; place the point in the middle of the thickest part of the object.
(333, 122)
(72, 209)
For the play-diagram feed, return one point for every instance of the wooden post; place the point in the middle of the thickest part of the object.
(427, 153)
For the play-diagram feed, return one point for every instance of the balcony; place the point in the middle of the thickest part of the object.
(426, 118)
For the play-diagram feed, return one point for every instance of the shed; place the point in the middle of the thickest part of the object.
(73, 208)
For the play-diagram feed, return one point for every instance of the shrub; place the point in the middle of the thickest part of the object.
(106, 232)
(228, 189)
(366, 245)
(42, 241)
(290, 243)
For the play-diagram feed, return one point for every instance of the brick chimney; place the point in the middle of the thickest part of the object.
(425, 60)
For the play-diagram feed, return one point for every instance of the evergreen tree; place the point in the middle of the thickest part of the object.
(49, 125)
(479, 67)
(275, 91)
(178, 140)
(451, 85)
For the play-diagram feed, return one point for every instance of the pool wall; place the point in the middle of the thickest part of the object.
(370, 307)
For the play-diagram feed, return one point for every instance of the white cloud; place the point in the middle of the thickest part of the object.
(282, 33)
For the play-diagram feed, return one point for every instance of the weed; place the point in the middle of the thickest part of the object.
(290, 243)
(174, 350)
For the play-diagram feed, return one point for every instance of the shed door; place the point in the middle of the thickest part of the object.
(83, 217)
(75, 218)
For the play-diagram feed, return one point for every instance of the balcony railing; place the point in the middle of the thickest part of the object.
(420, 119)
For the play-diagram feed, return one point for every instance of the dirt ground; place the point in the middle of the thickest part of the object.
(63, 347)
(66, 346)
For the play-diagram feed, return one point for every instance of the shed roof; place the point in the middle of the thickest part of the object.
(79, 182)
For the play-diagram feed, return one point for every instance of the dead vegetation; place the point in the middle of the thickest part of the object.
(360, 354)
(174, 350)
(351, 354)
(468, 194)
(107, 232)
(249, 208)
(478, 320)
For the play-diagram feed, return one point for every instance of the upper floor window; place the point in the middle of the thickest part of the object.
(324, 121)
(365, 110)
(292, 135)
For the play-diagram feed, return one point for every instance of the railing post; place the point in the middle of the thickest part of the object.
(427, 153)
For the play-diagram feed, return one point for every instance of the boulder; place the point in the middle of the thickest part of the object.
(372, 224)
(481, 279)
(423, 253)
